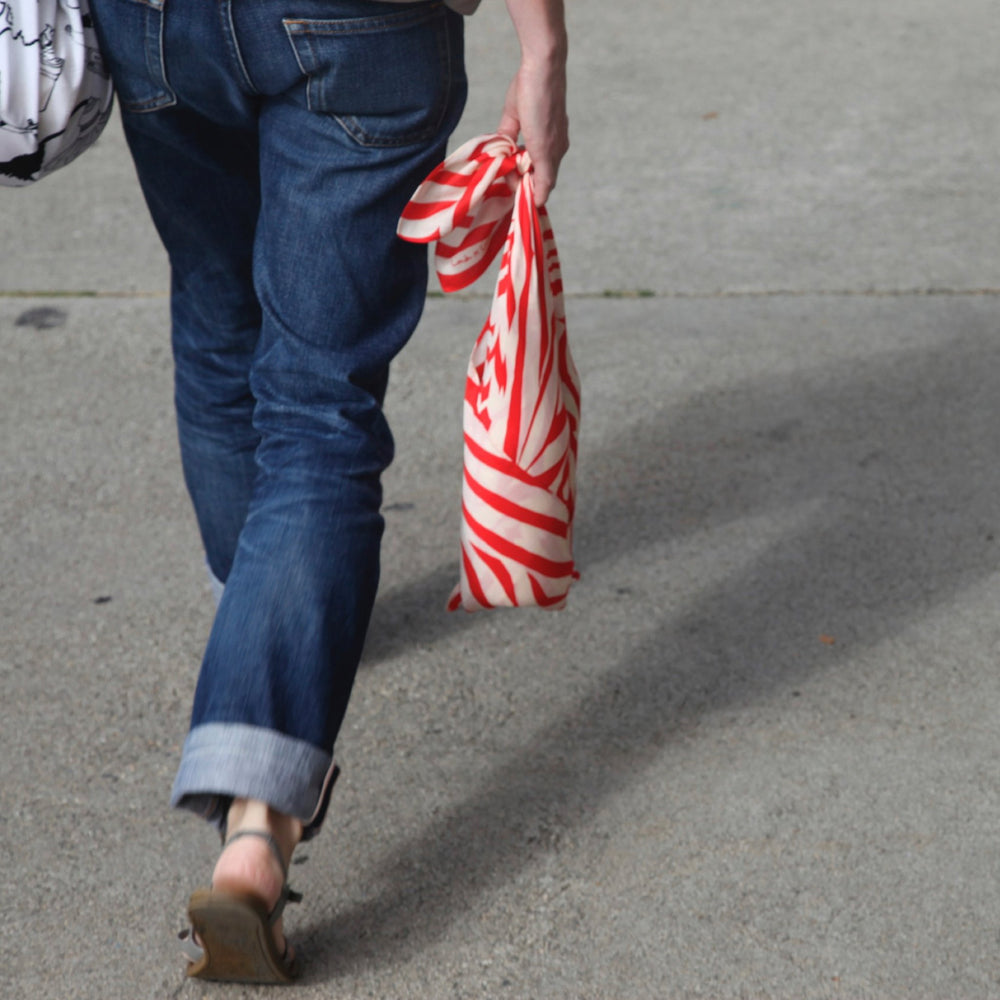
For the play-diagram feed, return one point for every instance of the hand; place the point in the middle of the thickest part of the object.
(535, 106)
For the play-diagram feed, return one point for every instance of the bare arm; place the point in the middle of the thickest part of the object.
(535, 106)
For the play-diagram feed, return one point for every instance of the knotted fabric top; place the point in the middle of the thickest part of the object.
(522, 391)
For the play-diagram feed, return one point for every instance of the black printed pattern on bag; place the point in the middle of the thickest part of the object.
(55, 92)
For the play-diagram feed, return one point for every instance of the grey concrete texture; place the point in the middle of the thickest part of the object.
(755, 757)
(762, 147)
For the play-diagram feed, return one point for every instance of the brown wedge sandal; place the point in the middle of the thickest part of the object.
(231, 937)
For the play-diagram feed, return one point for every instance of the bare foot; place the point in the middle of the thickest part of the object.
(248, 864)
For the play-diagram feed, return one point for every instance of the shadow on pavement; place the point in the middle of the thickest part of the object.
(887, 471)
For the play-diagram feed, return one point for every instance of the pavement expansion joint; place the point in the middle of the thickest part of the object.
(607, 293)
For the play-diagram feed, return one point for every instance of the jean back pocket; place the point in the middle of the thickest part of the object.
(387, 79)
(131, 36)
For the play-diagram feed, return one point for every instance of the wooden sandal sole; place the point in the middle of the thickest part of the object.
(237, 940)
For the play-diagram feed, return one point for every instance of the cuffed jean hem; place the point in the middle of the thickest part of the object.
(226, 760)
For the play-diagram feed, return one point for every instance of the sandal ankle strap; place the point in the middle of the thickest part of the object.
(268, 839)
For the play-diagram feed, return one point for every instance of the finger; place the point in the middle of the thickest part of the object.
(509, 126)
(510, 119)
(543, 183)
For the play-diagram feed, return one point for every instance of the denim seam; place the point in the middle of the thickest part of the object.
(302, 69)
(359, 25)
(167, 98)
(233, 44)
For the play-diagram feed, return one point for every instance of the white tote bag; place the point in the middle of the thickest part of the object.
(55, 92)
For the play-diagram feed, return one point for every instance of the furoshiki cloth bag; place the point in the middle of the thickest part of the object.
(55, 93)
(522, 392)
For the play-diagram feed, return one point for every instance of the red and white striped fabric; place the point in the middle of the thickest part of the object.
(522, 392)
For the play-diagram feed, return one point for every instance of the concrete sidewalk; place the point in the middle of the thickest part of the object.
(755, 757)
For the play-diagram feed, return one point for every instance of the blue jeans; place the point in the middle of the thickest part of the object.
(276, 142)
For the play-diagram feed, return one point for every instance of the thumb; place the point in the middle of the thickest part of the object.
(509, 126)
(543, 179)
(510, 120)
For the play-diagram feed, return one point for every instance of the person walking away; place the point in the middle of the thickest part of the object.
(276, 143)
